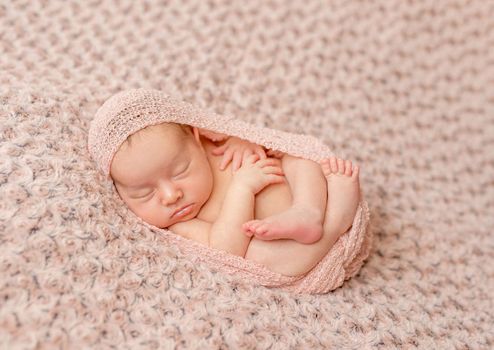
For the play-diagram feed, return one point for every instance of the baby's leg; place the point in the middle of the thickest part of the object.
(343, 199)
(343, 196)
(304, 219)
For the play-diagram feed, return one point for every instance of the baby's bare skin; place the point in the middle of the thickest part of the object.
(304, 219)
(302, 223)
(163, 172)
(278, 254)
(296, 223)
(343, 191)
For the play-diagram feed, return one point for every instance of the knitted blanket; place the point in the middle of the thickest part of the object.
(131, 110)
(404, 89)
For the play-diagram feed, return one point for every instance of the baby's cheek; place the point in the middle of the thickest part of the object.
(140, 209)
(152, 215)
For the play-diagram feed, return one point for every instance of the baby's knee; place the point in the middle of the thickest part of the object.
(290, 161)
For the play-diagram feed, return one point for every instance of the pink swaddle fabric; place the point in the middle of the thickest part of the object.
(130, 111)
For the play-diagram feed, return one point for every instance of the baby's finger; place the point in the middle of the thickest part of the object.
(227, 157)
(273, 178)
(269, 161)
(218, 151)
(252, 158)
(260, 152)
(237, 161)
(246, 154)
(273, 170)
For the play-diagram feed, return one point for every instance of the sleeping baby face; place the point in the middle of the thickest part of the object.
(162, 173)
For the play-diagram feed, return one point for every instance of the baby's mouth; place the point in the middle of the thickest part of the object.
(183, 211)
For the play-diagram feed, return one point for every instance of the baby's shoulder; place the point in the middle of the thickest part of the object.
(194, 229)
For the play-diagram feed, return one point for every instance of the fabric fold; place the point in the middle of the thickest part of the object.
(129, 111)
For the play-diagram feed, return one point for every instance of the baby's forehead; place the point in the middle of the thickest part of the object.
(132, 168)
(168, 128)
(165, 132)
(129, 111)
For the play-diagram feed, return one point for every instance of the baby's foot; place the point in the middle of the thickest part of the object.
(343, 192)
(300, 224)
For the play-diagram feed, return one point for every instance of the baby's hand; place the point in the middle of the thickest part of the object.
(237, 151)
(257, 173)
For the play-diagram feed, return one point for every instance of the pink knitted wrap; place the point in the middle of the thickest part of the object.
(130, 111)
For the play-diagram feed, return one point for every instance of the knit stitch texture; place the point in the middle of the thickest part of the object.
(130, 111)
(405, 89)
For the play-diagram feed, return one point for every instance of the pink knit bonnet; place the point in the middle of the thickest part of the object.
(126, 113)
(129, 111)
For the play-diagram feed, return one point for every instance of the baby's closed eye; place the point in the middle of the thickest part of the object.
(183, 170)
(142, 196)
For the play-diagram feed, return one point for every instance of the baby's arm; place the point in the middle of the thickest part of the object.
(235, 150)
(226, 232)
(223, 234)
(238, 206)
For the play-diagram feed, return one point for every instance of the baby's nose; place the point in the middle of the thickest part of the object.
(170, 195)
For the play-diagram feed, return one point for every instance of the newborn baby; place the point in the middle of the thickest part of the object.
(281, 211)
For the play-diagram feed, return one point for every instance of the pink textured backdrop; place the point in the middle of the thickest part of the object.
(405, 89)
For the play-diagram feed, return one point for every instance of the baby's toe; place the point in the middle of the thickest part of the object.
(262, 229)
(355, 172)
(348, 168)
(255, 225)
(324, 162)
(325, 166)
(341, 166)
(248, 225)
(334, 164)
(248, 233)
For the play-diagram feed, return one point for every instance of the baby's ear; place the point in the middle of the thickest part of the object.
(197, 138)
(213, 136)
(196, 133)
